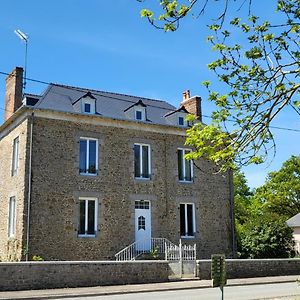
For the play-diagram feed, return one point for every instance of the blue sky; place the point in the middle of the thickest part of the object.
(106, 45)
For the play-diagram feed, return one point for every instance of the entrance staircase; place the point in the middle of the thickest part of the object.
(156, 247)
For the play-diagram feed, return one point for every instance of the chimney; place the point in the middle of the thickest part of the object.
(14, 91)
(192, 104)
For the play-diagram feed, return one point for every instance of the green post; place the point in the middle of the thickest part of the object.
(218, 272)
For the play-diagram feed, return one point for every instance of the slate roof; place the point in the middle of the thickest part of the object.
(63, 98)
(294, 221)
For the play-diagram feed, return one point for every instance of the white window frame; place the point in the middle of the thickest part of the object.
(12, 216)
(183, 165)
(92, 104)
(186, 221)
(143, 112)
(15, 156)
(88, 139)
(141, 161)
(86, 200)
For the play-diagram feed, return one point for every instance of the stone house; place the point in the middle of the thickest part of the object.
(85, 173)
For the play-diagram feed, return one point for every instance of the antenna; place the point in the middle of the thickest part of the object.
(24, 38)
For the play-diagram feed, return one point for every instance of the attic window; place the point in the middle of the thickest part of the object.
(88, 106)
(181, 121)
(138, 115)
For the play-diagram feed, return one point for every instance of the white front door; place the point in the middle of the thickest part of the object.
(143, 224)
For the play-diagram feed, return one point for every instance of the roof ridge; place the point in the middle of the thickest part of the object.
(30, 94)
(105, 92)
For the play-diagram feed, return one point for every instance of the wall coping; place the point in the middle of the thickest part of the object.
(92, 262)
(252, 259)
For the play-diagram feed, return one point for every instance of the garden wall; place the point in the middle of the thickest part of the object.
(45, 275)
(247, 268)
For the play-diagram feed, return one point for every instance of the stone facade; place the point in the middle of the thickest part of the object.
(57, 186)
(13, 186)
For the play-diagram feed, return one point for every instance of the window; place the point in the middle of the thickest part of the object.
(12, 217)
(88, 164)
(141, 223)
(142, 161)
(187, 220)
(138, 115)
(141, 204)
(15, 157)
(88, 106)
(88, 214)
(185, 167)
(181, 121)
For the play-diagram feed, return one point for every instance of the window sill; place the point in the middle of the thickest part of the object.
(185, 181)
(188, 237)
(142, 178)
(88, 174)
(86, 235)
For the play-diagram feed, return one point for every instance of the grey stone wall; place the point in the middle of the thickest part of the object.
(11, 248)
(45, 275)
(57, 185)
(247, 268)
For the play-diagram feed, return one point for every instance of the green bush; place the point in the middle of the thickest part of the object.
(265, 236)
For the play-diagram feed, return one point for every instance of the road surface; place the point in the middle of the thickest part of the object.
(249, 292)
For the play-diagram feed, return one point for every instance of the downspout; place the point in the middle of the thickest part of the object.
(29, 186)
(231, 200)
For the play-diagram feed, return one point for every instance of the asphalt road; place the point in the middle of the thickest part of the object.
(249, 292)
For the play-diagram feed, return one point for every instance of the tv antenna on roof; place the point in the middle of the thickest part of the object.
(23, 37)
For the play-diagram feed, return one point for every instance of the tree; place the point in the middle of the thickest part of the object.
(281, 192)
(242, 198)
(266, 237)
(261, 216)
(260, 75)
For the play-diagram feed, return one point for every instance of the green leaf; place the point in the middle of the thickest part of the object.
(146, 13)
(206, 83)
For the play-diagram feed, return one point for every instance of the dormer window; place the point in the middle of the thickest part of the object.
(88, 105)
(177, 117)
(181, 121)
(139, 115)
(136, 111)
(85, 104)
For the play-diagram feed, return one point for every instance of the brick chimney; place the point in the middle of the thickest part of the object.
(14, 90)
(192, 104)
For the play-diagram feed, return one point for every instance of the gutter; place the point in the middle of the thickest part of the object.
(231, 200)
(29, 185)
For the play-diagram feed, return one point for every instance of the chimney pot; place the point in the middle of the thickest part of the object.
(186, 95)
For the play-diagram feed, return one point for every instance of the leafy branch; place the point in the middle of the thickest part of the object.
(260, 74)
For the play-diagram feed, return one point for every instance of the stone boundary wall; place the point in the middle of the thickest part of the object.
(46, 275)
(247, 268)
(58, 274)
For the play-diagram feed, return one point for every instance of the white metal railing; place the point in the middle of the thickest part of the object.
(131, 252)
(181, 252)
